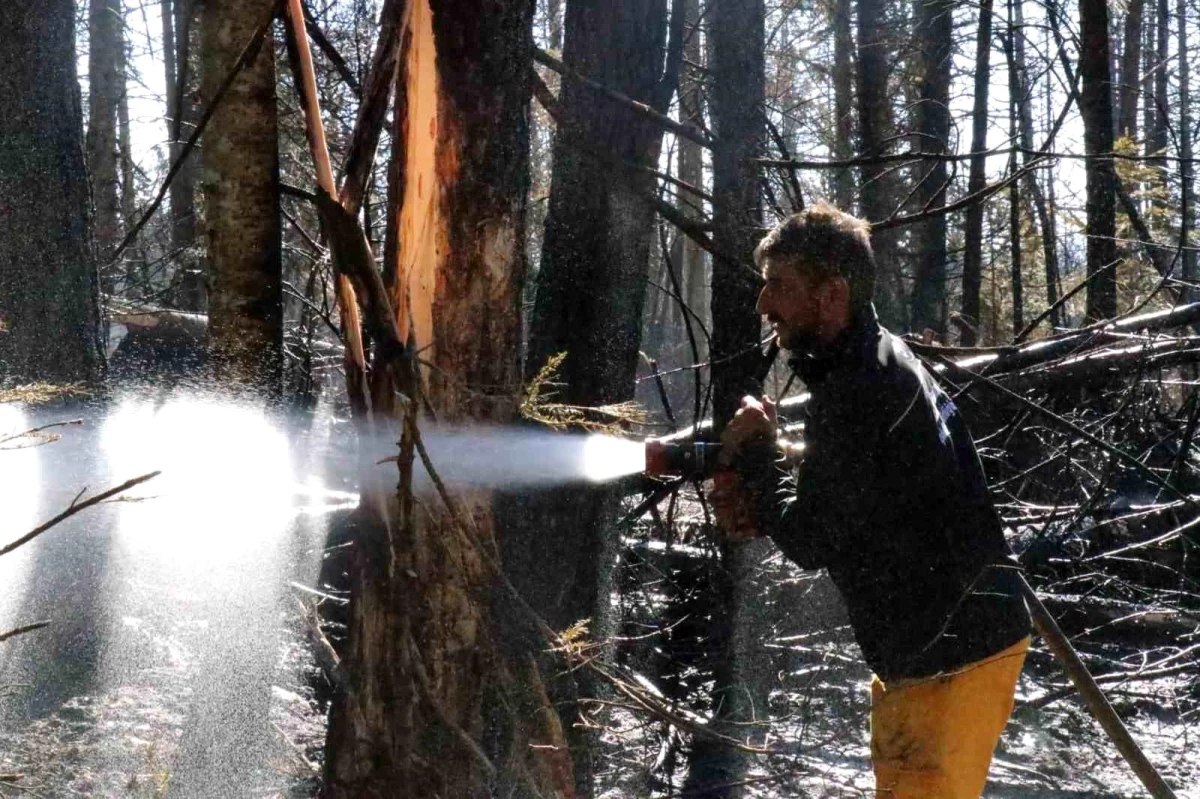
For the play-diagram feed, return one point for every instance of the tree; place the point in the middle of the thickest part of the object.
(176, 16)
(1131, 56)
(1187, 213)
(843, 83)
(241, 198)
(105, 26)
(972, 276)
(876, 184)
(934, 28)
(440, 659)
(47, 271)
(590, 298)
(1095, 105)
(736, 57)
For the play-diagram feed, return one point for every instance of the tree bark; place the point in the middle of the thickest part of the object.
(47, 270)
(441, 666)
(934, 24)
(1095, 106)
(104, 95)
(241, 199)
(972, 277)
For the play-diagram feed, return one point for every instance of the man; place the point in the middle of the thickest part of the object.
(890, 499)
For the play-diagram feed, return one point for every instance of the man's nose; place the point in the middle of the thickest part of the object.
(760, 306)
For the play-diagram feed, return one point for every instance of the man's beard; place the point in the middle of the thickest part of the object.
(799, 340)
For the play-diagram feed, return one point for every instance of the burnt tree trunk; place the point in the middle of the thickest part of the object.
(47, 271)
(934, 25)
(445, 698)
(1095, 105)
(590, 296)
(241, 199)
(972, 276)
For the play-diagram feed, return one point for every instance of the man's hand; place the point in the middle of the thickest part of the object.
(756, 422)
(733, 507)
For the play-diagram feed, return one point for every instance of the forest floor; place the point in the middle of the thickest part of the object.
(816, 689)
(128, 741)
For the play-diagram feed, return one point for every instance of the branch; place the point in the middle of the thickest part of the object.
(73, 509)
(364, 140)
(331, 52)
(686, 131)
(970, 199)
(28, 628)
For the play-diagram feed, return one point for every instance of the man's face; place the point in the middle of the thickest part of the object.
(791, 302)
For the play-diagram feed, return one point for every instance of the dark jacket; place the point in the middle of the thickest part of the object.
(891, 499)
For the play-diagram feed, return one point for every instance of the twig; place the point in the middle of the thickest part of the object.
(28, 628)
(34, 430)
(76, 508)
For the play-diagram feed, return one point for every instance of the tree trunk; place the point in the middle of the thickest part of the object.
(592, 281)
(445, 700)
(843, 80)
(135, 269)
(736, 45)
(590, 297)
(241, 199)
(1095, 106)
(104, 95)
(176, 16)
(47, 271)
(1045, 216)
(877, 194)
(691, 171)
(1187, 213)
(1131, 59)
(972, 276)
(934, 32)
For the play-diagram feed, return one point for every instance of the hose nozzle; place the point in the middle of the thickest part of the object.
(681, 459)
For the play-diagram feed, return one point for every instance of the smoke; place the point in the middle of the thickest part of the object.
(501, 458)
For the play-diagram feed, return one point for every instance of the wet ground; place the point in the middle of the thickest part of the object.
(175, 667)
(172, 666)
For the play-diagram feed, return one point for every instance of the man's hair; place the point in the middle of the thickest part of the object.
(822, 242)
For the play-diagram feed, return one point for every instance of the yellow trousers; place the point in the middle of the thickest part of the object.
(933, 737)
